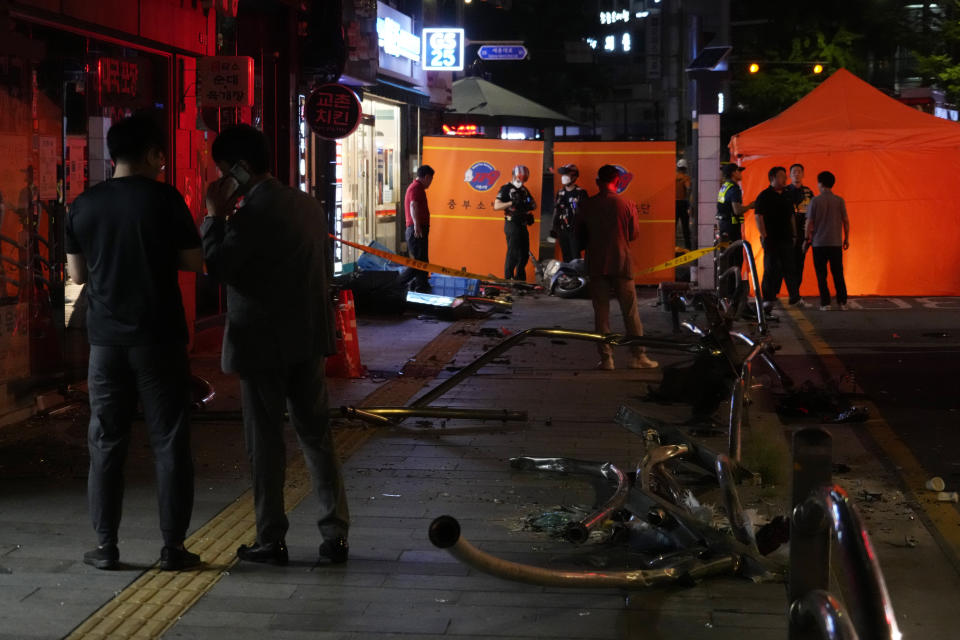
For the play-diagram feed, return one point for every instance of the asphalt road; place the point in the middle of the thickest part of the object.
(905, 355)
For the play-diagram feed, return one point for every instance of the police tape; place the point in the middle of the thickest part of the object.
(689, 256)
(424, 266)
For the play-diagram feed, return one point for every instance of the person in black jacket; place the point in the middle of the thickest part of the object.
(271, 250)
(568, 201)
(517, 204)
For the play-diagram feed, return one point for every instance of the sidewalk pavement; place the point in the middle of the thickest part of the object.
(396, 583)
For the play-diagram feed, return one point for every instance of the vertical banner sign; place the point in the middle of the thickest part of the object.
(647, 180)
(465, 231)
(225, 81)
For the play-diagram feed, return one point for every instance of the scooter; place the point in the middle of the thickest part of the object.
(562, 279)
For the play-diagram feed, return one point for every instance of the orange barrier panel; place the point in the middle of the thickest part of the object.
(647, 180)
(465, 231)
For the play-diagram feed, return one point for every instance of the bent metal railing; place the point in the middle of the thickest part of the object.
(823, 512)
(734, 272)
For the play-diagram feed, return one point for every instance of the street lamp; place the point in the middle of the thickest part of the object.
(753, 68)
(818, 69)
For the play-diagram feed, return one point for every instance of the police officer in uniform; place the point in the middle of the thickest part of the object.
(730, 213)
(568, 200)
(517, 204)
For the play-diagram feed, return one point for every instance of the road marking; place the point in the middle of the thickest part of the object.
(154, 602)
(942, 518)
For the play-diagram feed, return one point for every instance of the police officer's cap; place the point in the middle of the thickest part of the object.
(569, 169)
(729, 169)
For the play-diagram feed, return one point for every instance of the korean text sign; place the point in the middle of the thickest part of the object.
(465, 231)
(225, 81)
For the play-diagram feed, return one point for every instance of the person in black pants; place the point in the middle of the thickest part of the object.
(272, 252)
(126, 238)
(828, 232)
(775, 221)
(417, 215)
(515, 201)
(566, 205)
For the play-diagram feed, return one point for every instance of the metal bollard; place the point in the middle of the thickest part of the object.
(809, 531)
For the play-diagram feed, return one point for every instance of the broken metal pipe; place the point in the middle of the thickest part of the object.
(614, 339)
(821, 610)
(383, 415)
(579, 532)
(445, 534)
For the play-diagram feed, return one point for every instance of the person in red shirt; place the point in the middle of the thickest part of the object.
(606, 226)
(417, 214)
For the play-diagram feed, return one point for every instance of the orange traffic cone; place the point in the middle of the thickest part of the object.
(346, 362)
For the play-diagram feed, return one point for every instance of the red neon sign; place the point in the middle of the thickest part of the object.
(462, 130)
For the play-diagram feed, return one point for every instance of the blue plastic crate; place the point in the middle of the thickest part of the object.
(453, 286)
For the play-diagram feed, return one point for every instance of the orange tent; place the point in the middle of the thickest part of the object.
(895, 167)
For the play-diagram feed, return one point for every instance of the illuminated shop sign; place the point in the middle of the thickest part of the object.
(613, 17)
(397, 41)
(443, 49)
(462, 130)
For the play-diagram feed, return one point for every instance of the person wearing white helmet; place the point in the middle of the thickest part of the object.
(683, 201)
(518, 205)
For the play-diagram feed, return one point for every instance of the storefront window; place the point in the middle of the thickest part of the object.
(57, 102)
(369, 188)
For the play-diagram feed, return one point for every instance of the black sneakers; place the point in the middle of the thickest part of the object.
(103, 557)
(335, 550)
(178, 559)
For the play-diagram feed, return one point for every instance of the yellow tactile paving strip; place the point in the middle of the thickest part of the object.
(942, 517)
(157, 599)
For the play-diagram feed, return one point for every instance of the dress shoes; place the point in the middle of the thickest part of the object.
(335, 550)
(267, 552)
(178, 559)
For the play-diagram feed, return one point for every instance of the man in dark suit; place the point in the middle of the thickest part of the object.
(268, 243)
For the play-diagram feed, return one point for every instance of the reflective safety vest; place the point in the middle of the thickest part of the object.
(721, 200)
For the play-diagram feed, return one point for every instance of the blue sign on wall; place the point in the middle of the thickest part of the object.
(442, 49)
(502, 52)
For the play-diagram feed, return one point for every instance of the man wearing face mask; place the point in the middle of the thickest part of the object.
(515, 201)
(568, 201)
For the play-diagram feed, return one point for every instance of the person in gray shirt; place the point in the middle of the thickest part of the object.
(828, 232)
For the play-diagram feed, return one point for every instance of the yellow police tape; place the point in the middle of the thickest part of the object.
(689, 256)
(424, 266)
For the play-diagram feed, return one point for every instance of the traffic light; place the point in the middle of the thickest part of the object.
(817, 69)
(753, 68)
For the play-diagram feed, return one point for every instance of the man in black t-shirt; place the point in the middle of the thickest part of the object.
(568, 201)
(515, 201)
(775, 211)
(126, 238)
(802, 195)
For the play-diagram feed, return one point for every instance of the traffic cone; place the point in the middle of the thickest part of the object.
(346, 362)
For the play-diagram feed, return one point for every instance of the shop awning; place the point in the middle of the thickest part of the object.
(477, 97)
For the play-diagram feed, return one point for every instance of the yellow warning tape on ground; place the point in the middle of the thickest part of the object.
(424, 266)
